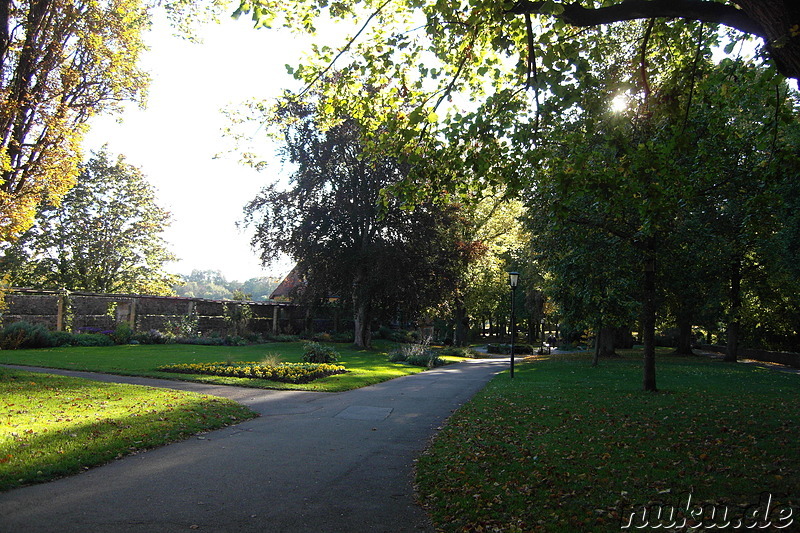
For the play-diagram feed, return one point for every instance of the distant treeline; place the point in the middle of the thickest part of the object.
(212, 284)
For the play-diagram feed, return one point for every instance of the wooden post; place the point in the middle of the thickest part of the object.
(275, 310)
(132, 315)
(60, 313)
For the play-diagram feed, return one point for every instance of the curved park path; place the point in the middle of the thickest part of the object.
(312, 462)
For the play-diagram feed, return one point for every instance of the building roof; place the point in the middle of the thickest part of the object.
(285, 291)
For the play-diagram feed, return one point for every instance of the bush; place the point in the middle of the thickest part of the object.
(428, 360)
(283, 337)
(123, 333)
(25, 335)
(314, 352)
(398, 335)
(417, 354)
(61, 338)
(458, 351)
(343, 337)
(202, 341)
(397, 356)
(87, 340)
(154, 337)
(235, 340)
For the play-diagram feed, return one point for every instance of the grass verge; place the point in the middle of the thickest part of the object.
(52, 426)
(567, 447)
(365, 367)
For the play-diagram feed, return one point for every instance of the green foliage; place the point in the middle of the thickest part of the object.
(81, 66)
(427, 360)
(185, 325)
(282, 372)
(348, 239)
(416, 354)
(87, 340)
(212, 284)
(314, 352)
(23, 334)
(123, 333)
(154, 336)
(459, 351)
(398, 335)
(237, 316)
(283, 337)
(104, 236)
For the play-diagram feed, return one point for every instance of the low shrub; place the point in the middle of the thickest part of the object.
(235, 340)
(201, 341)
(397, 356)
(154, 337)
(283, 337)
(254, 338)
(25, 335)
(61, 338)
(283, 372)
(314, 352)
(459, 351)
(428, 360)
(417, 354)
(123, 333)
(343, 337)
(87, 340)
(398, 335)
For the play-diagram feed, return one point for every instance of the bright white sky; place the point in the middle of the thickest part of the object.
(175, 139)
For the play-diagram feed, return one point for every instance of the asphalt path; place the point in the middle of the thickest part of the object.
(312, 462)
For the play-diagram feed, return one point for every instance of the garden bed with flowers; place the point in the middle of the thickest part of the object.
(284, 372)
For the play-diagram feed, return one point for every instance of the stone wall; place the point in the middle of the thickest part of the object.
(83, 311)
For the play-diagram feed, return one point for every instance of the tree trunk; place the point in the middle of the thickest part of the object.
(732, 348)
(684, 336)
(623, 338)
(362, 335)
(649, 320)
(605, 342)
(462, 323)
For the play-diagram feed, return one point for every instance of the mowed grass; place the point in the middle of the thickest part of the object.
(365, 367)
(52, 426)
(567, 447)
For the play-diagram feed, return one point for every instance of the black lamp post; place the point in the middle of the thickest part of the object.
(542, 330)
(513, 279)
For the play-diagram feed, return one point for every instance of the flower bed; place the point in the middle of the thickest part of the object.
(285, 372)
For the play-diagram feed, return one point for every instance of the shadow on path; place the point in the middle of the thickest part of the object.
(313, 462)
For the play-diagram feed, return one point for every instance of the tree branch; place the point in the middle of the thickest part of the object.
(701, 10)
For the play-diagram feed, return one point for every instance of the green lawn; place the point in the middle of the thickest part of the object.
(567, 447)
(366, 367)
(52, 426)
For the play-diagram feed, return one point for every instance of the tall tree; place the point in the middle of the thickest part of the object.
(61, 61)
(349, 241)
(105, 236)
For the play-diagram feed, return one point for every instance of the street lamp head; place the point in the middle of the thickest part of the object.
(513, 278)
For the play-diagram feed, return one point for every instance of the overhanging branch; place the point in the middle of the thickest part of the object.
(701, 10)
